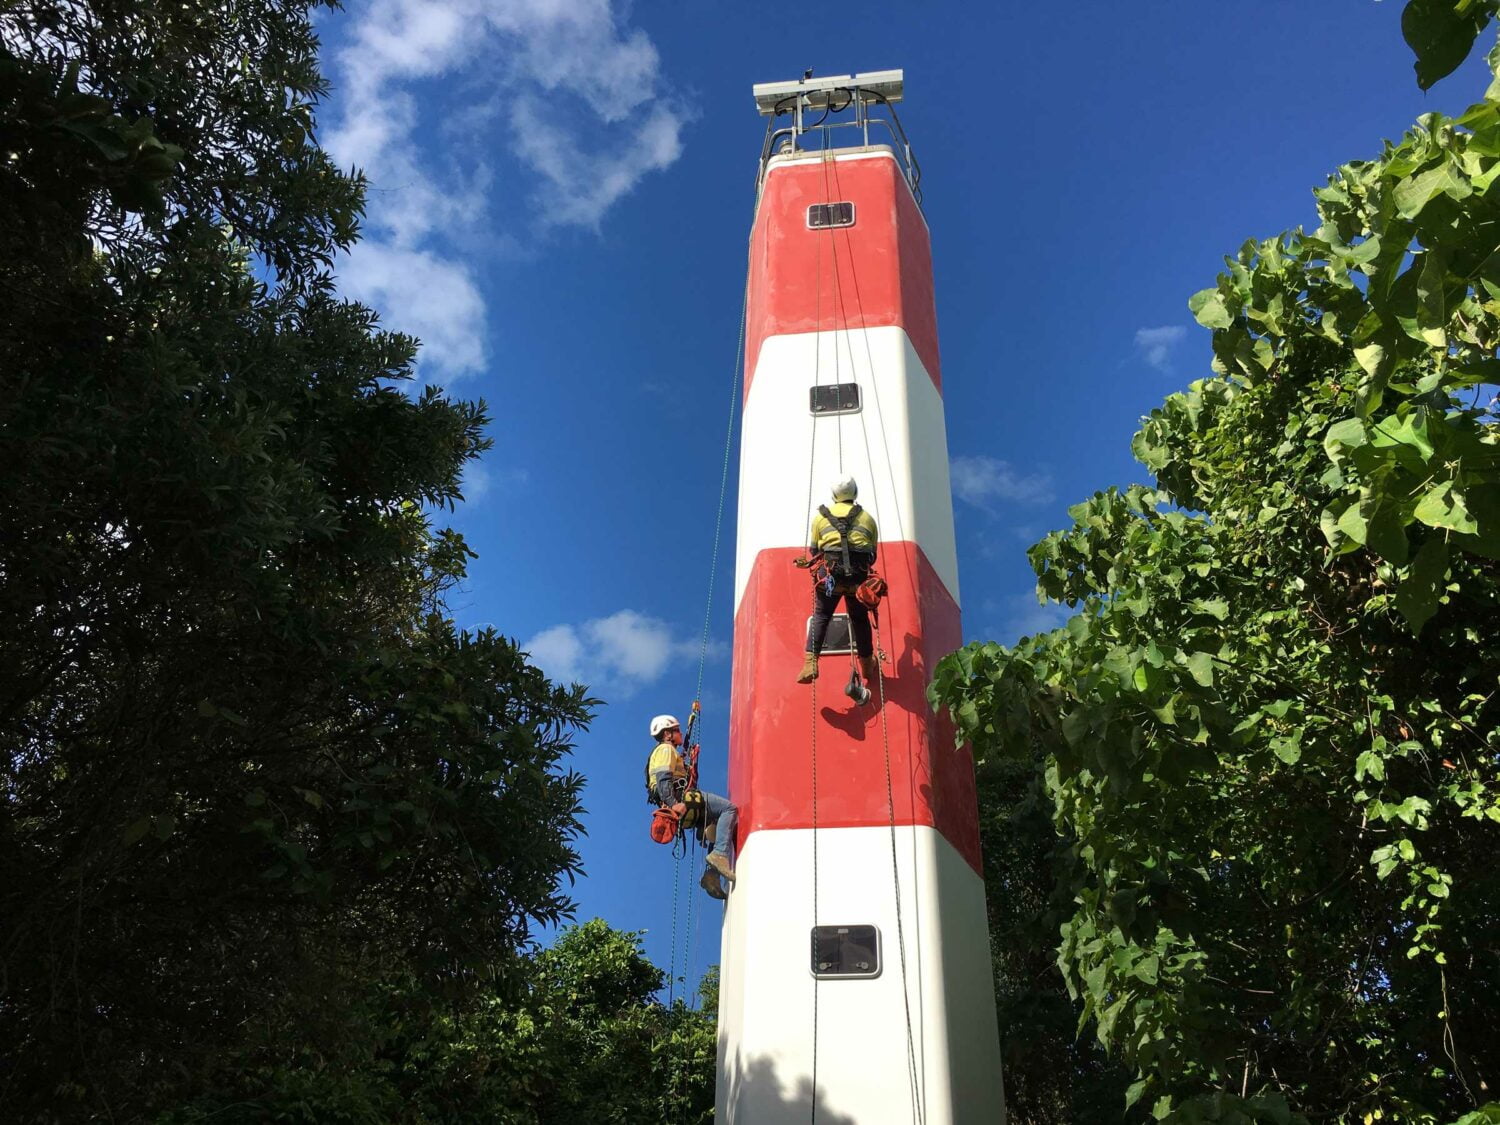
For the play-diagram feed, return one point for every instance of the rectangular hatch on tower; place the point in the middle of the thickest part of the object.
(845, 951)
(822, 215)
(833, 398)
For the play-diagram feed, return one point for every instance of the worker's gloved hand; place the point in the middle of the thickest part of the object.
(679, 810)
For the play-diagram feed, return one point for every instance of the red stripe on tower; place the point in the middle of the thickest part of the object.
(876, 273)
(932, 780)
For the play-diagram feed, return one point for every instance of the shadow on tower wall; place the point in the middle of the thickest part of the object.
(757, 1096)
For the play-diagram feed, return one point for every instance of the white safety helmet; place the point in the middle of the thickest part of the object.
(845, 489)
(661, 723)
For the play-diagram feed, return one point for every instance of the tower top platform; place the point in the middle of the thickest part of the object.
(815, 109)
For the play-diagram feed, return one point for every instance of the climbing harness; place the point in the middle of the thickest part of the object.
(845, 525)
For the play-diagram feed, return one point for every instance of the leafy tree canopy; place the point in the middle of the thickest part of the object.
(249, 767)
(1268, 739)
(584, 1039)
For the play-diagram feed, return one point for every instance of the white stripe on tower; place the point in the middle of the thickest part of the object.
(896, 446)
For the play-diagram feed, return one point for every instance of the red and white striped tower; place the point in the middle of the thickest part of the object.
(855, 966)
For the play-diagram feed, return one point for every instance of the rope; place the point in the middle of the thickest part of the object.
(713, 569)
(676, 887)
(687, 929)
(708, 609)
(841, 315)
(838, 418)
(890, 804)
(734, 401)
(812, 457)
(913, 1072)
(816, 979)
(812, 461)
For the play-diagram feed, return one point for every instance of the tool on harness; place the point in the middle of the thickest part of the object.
(667, 822)
(871, 590)
(663, 825)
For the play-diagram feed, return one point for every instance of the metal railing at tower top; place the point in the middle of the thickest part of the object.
(816, 107)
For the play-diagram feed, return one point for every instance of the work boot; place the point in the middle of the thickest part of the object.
(870, 670)
(710, 883)
(720, 863)
(809, 671)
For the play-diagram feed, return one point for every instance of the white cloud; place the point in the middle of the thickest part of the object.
(1021, 616)
(437, 97)
(1155, 344)
(480, 480)
(580, 186)
(982, 481)
(433, 299)
(618, 654)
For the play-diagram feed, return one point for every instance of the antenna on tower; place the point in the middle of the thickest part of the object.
(815, 106)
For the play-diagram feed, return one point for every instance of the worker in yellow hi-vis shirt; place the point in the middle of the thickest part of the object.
(667, 787)
(841, 550)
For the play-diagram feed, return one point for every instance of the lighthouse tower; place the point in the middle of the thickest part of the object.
(855, 971)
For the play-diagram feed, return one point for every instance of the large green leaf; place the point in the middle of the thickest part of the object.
(1420, 591)
(1444, 506)
(1441, 34)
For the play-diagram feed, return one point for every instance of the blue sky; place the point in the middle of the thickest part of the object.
(561, 197)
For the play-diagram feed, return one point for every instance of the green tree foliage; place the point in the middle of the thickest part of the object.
(1052, 1075)
(1268, 740)
(249, 769)
(582, 1039)
(1441, 34)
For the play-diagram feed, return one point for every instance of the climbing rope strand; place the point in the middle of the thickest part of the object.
(672, 967)
(833, 246)
(734, 401)
(890, 804)
(812, 461)
(864, 331)
(734, 396)
(816, 978)
(691, 851)
(913, 1072)
(839, 314)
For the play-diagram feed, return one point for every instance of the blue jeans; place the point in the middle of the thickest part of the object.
(725, 814)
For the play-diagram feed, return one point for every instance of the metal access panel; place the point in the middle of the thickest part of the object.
(833, 398)
(837, 640)
(845, 952)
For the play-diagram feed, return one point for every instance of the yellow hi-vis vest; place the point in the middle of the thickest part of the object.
(665, 759)
(862, 536)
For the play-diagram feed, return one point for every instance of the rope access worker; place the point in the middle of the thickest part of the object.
(841, 551)
(667, 786)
